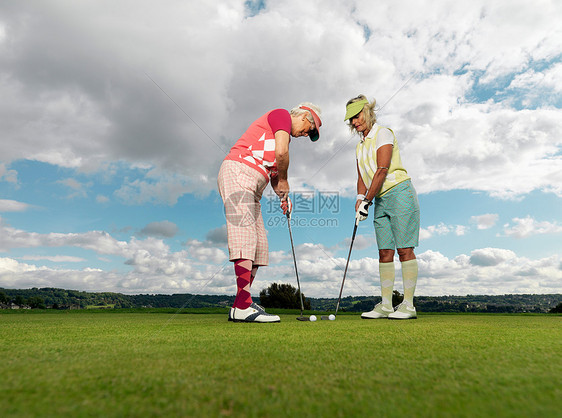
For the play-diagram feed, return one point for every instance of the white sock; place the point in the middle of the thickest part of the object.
(409, 278)
(387, 274)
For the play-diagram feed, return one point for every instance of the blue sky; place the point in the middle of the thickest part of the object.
(114, 127)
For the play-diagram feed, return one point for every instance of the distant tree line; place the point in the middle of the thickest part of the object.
(520, 303)
(53, 298)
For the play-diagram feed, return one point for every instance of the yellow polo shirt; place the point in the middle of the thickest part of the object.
(366, 154)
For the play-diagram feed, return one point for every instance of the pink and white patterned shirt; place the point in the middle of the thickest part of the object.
(256, 147)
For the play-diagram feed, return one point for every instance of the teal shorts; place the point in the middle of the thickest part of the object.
(397, 217)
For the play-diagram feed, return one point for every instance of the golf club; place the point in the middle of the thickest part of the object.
(327, 318)
(300, 318)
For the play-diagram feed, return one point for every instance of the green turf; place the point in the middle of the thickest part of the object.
(161, 364)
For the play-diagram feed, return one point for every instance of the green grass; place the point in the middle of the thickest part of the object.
(162, 364)
(106, 306)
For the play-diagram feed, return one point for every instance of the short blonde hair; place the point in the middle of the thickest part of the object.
(297, 111)
(368, 112)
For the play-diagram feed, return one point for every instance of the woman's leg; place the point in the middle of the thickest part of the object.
(243, 271)
(387, 275)
(409, 273)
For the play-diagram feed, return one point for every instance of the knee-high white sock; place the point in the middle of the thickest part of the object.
(410, 278)
(387, 274)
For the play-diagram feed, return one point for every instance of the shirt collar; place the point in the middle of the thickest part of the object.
(372, 132)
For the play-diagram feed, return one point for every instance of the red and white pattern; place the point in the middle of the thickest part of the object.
(256, 147)
(263, 156)
(241, 188)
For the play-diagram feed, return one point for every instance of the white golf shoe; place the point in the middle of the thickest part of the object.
(404, 311)
(254, 313)
(379, 312)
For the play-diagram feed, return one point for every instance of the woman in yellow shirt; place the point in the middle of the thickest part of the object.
(383, 180)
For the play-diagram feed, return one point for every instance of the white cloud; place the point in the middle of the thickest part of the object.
(484, 271)
(218, 236)
(460, 230)
(535, 83)
(441, 229)
(13, 206)
(80, 112)
(10, 176)
(102, 199)
(361, 242)
(158, 187)
(152, 266)
(9, 265)
(515, 148)
(526, 227)
(205, 252)
(55, 258)
(490, 256)
(72, 183)
(204, 268)
(312, 251)
(162, 229)
(488, 271)
(485, 221)
(79, 189)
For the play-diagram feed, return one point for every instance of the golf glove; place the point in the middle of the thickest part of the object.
(363, 210)
(287, 207)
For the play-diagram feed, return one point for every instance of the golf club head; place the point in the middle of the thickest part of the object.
(303, 318)
(325, 318)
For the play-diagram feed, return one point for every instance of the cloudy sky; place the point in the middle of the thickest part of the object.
(116, 115)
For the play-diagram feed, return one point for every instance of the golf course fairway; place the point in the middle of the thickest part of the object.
(69, 364)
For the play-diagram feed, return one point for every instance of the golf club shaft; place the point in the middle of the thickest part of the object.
(347, 264)
(295, 261)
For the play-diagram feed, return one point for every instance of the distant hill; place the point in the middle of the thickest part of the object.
(75, 299)
(53, 298)
(519, 303)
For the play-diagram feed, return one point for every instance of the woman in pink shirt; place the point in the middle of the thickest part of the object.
(260, 155)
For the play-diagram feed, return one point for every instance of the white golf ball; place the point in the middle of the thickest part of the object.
(312, 318)
(332, 317)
